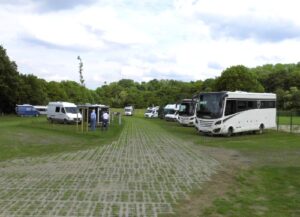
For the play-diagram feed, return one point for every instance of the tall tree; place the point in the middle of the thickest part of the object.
(80, 72)
(9, 83)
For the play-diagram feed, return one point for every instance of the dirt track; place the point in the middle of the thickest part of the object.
(144, 173)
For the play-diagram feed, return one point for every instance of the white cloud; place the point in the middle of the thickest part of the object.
(185, 39)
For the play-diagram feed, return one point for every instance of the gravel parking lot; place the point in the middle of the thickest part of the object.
(144, 173)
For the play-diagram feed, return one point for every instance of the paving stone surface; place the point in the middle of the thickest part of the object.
(144, 173)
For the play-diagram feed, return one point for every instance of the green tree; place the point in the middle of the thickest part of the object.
(9, 83)
(238, 78)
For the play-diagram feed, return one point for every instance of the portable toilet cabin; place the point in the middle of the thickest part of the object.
(26, 110)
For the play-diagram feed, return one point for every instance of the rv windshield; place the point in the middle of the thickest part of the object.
(127, 110)
(210, 105)
(149, 111)
(72, 110)
(186, 109)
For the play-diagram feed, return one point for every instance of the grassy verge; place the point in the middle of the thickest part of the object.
(285, 120)
(31, 136)
(270, 186)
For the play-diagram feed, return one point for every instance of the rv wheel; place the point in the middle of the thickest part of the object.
(261, 129)
(229, 132)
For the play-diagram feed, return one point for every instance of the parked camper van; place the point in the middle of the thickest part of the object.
(63, 112)
(41, 109)
(227, 113)
(187, 112)
(171, 112)
(128, 110)
(152, 112)
(26, 110)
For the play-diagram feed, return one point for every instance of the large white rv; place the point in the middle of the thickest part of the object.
(227, 113)
(187, 112)
(64, 112)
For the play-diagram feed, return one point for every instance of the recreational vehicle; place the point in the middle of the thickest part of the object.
(187, 112)
(26, 110)
(152, 112)
(128, 110)
(227, 113)
(63, 112)
(171, 112)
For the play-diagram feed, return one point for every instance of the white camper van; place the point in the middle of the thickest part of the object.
(187, 112)
(171, 112)
(128, 110)
(227, 113)
(63, 112)
(152, 112)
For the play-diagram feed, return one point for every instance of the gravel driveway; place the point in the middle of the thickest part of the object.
(144, 173)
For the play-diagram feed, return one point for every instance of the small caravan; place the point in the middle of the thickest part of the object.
(42, 110)
(26, 110)
(63, 112)
(152, 112)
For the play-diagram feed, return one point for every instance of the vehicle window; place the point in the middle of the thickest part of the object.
(241, 105)
(63, 110)
(268, 104)
(230, 107)
(57, 109)
(252, 104)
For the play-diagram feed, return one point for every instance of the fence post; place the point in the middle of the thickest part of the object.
(277, 121)
(120, 119)
(291, 122)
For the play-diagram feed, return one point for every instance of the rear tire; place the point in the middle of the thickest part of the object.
(229, 132)
(261, 129)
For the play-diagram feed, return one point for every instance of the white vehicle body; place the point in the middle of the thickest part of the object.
(227, 113)
(187, 112)
(152, 112)
(128, 110)
(171, 112)
(41, 109)
(64, 112)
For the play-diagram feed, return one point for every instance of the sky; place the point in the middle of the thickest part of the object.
(142, 40)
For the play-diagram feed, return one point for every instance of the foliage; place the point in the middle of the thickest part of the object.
(16, 88)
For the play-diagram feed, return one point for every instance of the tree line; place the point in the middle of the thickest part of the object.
(17, 88)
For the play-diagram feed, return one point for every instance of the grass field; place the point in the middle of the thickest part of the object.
(270, 186)
(264, 182)
(287, 120)
(35, 136)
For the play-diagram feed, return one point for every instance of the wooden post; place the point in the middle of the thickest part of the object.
(87, 120)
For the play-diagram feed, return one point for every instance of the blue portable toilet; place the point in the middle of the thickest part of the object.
(26, 110)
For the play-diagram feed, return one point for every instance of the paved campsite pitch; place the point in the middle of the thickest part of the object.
(144, 173)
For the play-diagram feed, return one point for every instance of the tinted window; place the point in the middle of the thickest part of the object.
(268, 104)
(230, 107)
(57, 109)
(252, 104)
(242, 105)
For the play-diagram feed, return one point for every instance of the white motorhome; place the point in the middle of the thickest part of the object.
(64, 112)
(227, 113)
(187, 112)
(128, 110)
(152, 112)
(171, 112)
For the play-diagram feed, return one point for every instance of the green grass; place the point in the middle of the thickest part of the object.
(285, 120)
(271, 184)
(31, 136)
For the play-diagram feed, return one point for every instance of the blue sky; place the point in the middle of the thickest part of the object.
(146, 39)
